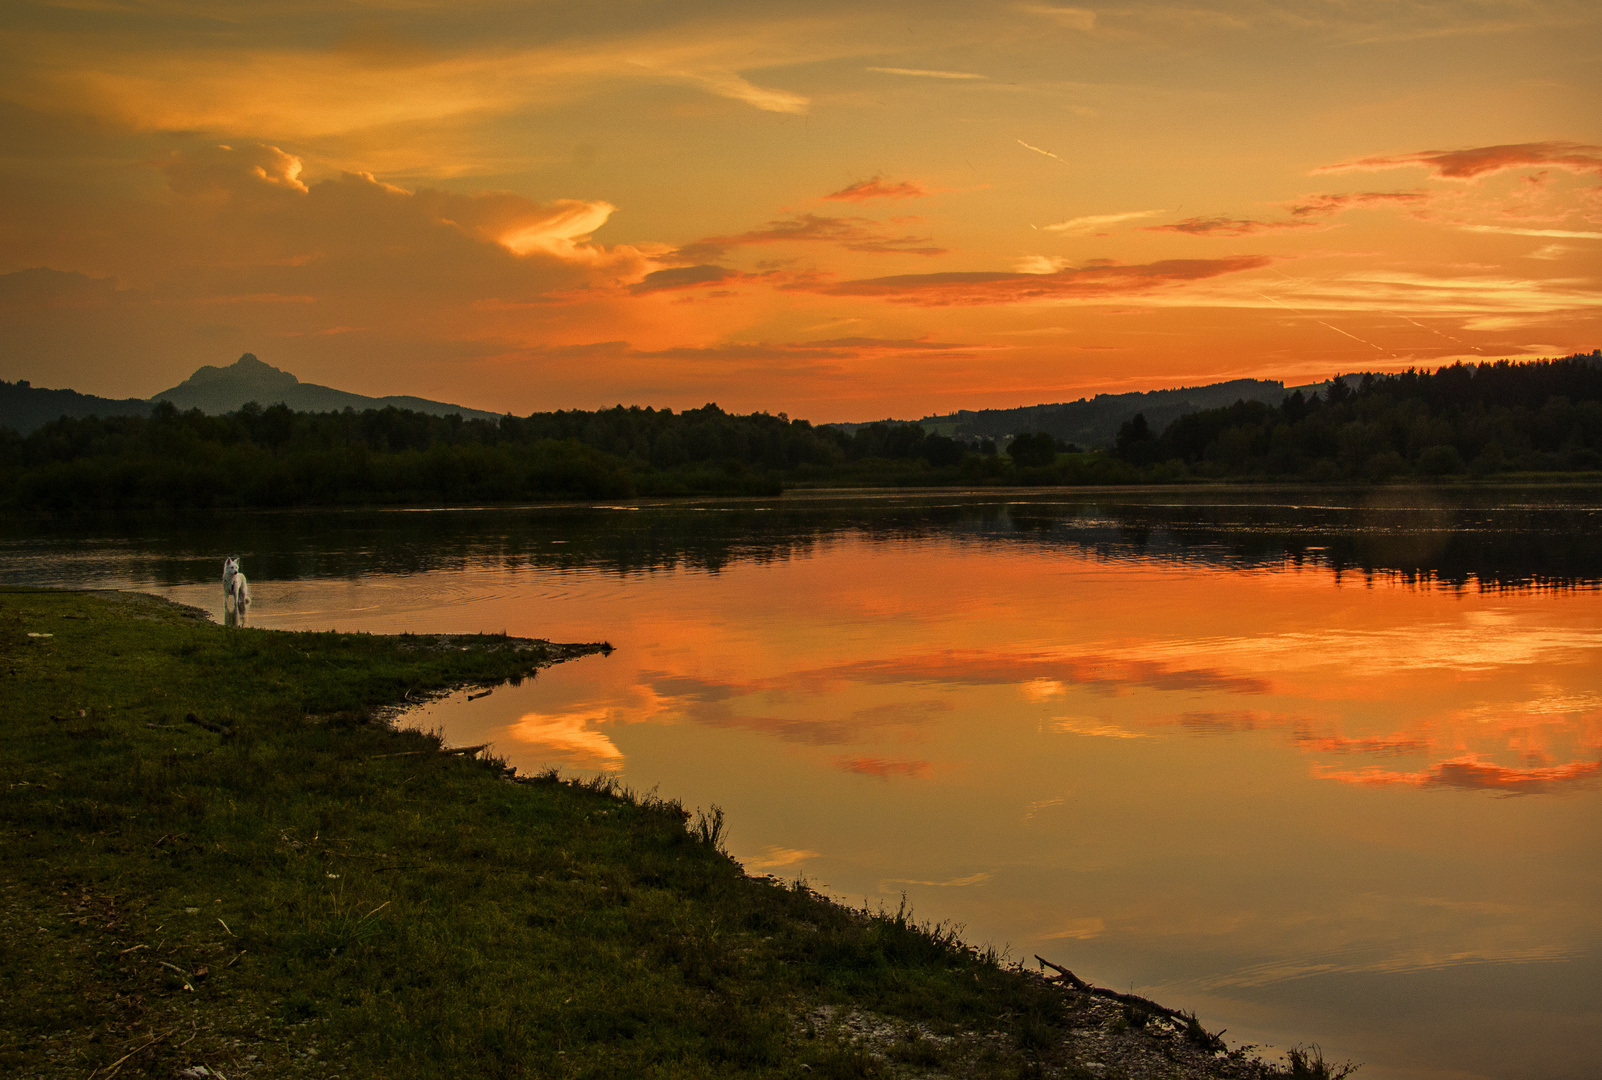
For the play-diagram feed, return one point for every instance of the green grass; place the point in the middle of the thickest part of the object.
(215, 854)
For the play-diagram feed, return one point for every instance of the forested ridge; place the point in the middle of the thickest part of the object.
(1480, 419)
(1542, 416)
(277, 457)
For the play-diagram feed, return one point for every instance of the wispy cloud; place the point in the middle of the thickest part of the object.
(1093, 728)
(777, 858)
(963, 882)
(736, 87)
(1227, 226)
(1333, 203)
(1074, 18)
(300, 93)
(1089, 282)
(851, 233)
(1567, 234)
(1482, 160)
(883, 769)
(1310, 212)
(878, 188)
(1471, 772)
(1077, 930)
(564, 233)
(685, 277)
(1091, 222)
(925, 73)
(573, 736)
(974, 667)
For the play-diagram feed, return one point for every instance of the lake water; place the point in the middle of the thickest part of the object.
(1322, 766)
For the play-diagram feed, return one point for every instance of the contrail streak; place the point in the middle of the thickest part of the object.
(1037, 150)
(1438, 333)
(1321, 322)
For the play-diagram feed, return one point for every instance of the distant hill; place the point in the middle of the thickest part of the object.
(218, 390)
(212, 390)
(1094, 421)
(25, 408)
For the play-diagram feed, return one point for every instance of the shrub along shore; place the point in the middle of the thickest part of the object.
(220, 860)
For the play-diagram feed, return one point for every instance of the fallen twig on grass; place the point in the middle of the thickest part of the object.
(115, 1066)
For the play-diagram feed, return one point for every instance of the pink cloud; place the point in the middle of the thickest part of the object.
(878, 188)
(1095, 279)
(1471, 772)
(1481, 160)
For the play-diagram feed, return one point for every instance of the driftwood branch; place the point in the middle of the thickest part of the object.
(1144, 1004)
(1066, 976)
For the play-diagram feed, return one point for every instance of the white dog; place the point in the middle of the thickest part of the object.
(235, 588)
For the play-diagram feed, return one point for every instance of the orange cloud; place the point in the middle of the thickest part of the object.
(926, 73)
(293, 231)
(1321, 205)
(878, 188)
(560, 229)
(1340, 744)
(711, 703)
(1470, 772)
(222, 170)
(1226, 226)
(1308, 213)
(851, 233)
(1090, 222)
(979, 668)
(1479, 161)
(767, 353)
(686, 277)
(161, 81)
(1221, 723)
(882, 768)
(1095, 280)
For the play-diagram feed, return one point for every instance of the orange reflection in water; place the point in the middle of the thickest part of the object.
(1217, 786)
(867, 646)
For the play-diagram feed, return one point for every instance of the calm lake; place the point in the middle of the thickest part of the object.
(1321, 765)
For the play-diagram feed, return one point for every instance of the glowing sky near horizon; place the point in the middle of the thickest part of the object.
(838, 211)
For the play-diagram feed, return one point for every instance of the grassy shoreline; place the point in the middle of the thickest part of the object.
(219, 856)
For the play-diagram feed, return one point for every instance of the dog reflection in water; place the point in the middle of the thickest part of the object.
(236, 592)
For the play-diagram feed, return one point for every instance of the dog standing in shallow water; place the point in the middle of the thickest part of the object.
(236, 589)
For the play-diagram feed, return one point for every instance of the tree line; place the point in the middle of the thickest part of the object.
(1480, 419)
(275, 457)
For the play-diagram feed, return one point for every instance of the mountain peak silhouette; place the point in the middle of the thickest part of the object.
(217, 390)
(246, 372)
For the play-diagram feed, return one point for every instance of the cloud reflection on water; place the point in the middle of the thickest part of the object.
(1471, 772)
(1202, 761)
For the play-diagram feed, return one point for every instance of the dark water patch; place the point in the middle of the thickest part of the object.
(1441, 538)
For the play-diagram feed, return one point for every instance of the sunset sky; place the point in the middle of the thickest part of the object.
(840, 211)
